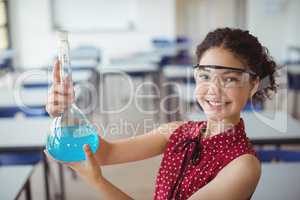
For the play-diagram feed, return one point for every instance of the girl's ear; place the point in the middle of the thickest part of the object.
(255, 85)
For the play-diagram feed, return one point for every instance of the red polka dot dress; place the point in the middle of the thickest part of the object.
(191, 161)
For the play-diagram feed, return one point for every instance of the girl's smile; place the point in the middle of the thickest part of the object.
(223, 87)
(216, 104)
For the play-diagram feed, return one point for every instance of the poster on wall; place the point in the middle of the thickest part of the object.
(94, 15)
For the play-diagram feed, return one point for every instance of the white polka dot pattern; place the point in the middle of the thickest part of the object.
(216, 152)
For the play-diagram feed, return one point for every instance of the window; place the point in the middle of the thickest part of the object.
(4, 35)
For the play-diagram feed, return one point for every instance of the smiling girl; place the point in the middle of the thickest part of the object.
(207, 160)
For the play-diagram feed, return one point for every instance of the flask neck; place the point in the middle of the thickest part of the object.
(64, 59)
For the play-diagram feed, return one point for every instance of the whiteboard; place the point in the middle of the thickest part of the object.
(94, 15)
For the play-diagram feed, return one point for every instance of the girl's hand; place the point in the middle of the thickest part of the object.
(91, 173)
(88, 170)
(61, 93)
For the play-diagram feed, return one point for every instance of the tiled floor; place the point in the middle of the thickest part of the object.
(136, 179)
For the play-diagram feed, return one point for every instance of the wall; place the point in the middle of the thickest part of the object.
(197, 17)
(276, 27)
(276, 24)
(34, 39)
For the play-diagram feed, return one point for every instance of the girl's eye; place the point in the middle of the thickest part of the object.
(231, 80)
(203, 77)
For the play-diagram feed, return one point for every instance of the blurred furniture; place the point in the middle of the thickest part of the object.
(278, 181)
(179, 72)
(179, 79)
(128, 70)
(293, 73)
(6, 58)
(86, 81)
(266, 128)
(85, 56)
(183, 99)
(278, 155)
(15, 179)
(17, 146)
(175, 49)
(41, 78)
(176, 66)
(29, 102)
(21, 136)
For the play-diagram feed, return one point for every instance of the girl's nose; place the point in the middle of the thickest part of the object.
(215, 87)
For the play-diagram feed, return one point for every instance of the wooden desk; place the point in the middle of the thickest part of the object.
(266, 128)
(14, 180)
(278, 181)
(28, 134)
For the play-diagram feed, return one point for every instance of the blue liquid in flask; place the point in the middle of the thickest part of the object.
(66, 144)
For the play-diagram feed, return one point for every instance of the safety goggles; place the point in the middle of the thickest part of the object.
(227, 77)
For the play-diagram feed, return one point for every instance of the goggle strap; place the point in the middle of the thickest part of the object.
(223, 67)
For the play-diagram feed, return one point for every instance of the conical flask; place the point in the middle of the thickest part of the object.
(72, 129)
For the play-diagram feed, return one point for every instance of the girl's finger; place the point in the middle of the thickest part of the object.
(89, 155)
(55, 110)
(75, 166)
(100, 130)
(68, 81)
(61, 89)
(57, 99)
(67, 85)
(56, 72)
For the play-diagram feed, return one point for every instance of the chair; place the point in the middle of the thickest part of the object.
(86, 53)
(280, 155)
(253, 107)
(29, 158)
(293, 76)
(85, 57)
(12, 111)
(6, 60)
(25, 158)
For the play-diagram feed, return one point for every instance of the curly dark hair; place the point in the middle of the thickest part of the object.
(249, 51)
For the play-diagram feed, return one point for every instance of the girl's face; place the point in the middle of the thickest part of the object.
(222, 93)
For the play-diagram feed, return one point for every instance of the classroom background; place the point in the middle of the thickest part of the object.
(132, 69)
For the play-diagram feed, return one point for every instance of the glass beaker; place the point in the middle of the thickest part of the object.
(72, 129)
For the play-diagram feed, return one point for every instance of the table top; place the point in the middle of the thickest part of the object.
(295, 69)
(24, 132)
(45, 76)
(128, 67)
(10, 97)
(140, 57)
(264, 125)
(32, 132)
(13, 179)
(278, 181)
(187, 92)
(178, 71)
(83, 63)
(14, 96)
